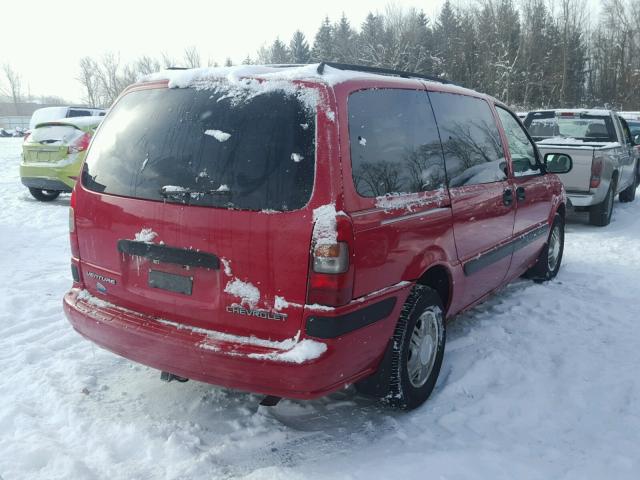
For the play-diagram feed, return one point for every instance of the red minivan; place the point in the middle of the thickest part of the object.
(291, 231)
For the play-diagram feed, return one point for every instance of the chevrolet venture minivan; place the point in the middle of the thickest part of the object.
(293, 230)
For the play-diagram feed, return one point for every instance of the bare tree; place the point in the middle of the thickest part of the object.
(111, 81)
(191, 57)
(14, 84)
(168, 60)
(90, 81)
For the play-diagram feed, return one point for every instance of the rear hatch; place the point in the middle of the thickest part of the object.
(49, 142)
(194, 206)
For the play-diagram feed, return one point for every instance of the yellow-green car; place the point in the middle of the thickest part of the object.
(52, 155)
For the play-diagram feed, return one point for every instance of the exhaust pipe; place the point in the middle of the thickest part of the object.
(168, 377)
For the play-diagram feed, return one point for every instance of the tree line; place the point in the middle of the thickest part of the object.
(527, 53)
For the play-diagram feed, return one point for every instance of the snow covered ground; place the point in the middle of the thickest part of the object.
(540, 382)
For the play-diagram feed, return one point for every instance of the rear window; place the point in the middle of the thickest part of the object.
(55, 134)
(78, 113)
(207, 148)
(579, 126)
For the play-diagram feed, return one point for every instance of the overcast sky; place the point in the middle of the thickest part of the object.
(44, 39)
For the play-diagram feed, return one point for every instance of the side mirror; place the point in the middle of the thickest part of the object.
(558, 163)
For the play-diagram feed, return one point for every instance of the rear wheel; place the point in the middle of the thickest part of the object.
(600, 215)
(550, 258)
(411, 365)
(44, 195)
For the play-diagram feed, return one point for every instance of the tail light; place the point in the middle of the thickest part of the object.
(596, 172)
(73, 236)
(331, 271)
(80, 145)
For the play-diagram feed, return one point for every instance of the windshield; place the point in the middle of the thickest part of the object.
(588, 128)
(208, 148)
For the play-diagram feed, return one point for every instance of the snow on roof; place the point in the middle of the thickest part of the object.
(330, 76)
(630, 115)
(584, 111)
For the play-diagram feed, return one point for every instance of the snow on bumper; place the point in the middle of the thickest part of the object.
(294, 368)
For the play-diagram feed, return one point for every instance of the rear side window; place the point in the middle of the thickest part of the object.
(394, 142)
(208, 148)
(472, 146)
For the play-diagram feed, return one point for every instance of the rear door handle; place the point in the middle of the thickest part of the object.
(520, 194)
(507, 197)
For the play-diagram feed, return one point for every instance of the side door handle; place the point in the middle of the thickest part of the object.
(520, 194)
(507, 197)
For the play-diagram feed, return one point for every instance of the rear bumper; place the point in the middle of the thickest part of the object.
(50, 177)
(233, 363)
(594, 196)
(46, 184)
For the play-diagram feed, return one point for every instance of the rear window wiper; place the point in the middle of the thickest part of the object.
(172, 191)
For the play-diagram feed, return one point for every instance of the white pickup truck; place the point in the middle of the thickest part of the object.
(605, 156)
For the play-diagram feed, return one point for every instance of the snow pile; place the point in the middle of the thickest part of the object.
(539, 382)
(245, 291)
(280, 303)
(330, 76)
(408, 201)
(218, 135)
(145, 235)
(291, 350)
(96, 302)
(325, 227)
(227, 266)
(303, 351)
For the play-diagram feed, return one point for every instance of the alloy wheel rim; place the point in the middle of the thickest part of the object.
(423, 346)
(554, 249)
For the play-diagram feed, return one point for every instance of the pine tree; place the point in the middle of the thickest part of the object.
(323, 43)
(299, 48)
(279, 52)
(371, 49)
(343, 41)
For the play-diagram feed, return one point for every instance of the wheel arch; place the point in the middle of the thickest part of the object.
(438, 277)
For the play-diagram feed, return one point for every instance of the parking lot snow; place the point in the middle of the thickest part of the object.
(539, 382)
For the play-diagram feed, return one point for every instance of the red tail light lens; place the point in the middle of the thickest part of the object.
(81, 144)
(331, 272)
(596, 172)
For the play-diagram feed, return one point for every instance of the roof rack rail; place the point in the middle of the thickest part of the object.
(378, 70)
(177, 68)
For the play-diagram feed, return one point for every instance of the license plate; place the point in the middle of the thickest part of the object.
(170, 282)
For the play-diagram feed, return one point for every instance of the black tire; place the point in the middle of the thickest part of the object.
(600, 215)
(629, 193)
(545, 269)
(393, 382)
(44, 195)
